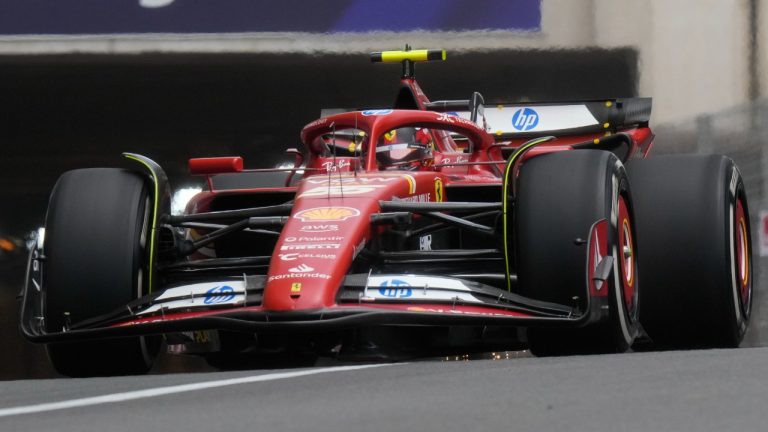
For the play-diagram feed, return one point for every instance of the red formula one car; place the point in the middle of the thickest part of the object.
(426, 228)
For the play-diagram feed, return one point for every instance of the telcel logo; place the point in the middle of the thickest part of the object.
(525, 119)
(395, 288)
(219, 294)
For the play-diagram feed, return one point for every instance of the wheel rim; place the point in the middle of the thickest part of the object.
(627, 258)
(743, 264)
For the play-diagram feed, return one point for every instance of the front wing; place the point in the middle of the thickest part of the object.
(364, 300)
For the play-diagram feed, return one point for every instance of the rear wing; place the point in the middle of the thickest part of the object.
(510, 121)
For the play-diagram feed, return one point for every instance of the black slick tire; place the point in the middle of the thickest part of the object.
(97, 228)
(560, 196)
(693, 227)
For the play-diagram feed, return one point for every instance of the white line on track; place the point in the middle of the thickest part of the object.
(161, 391)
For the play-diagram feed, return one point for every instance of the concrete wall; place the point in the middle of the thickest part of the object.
(692, 53)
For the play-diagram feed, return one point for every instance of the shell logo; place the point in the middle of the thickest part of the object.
(327, 214)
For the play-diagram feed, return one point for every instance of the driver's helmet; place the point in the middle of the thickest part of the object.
(404, 147)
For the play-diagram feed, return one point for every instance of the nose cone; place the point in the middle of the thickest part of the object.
(314, 252)
(329, 226)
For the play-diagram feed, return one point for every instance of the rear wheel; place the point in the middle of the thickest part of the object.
(561, 196)
(693, 223)
(97, 231)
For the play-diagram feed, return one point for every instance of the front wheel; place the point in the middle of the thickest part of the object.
(97, 232)
(561, 197)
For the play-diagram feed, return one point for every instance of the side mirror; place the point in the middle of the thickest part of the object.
(299, 156)
(298, 160)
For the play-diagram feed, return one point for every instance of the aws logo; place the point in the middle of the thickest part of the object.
(525, 119)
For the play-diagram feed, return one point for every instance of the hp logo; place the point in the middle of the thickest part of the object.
(219, 294)
(525, 119)
(395, 288)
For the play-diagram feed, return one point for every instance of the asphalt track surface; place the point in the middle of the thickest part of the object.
(716, 390)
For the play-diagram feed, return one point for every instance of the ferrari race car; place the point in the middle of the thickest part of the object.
(427, 228)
